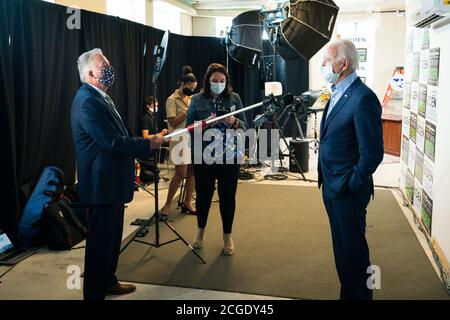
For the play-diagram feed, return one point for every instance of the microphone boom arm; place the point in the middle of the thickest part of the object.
(204, 123)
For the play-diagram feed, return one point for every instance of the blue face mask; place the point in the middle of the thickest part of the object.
(217, 87)
(107, 76)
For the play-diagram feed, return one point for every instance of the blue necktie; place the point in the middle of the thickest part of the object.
(332, 103)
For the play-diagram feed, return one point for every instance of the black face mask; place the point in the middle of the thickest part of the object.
(188, 92)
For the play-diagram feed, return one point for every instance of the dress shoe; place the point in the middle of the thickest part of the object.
(119, 289)
(228, 248)
(198, 243)
(185, 209)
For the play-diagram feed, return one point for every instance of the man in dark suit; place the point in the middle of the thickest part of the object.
(105, 152)
(351, 148)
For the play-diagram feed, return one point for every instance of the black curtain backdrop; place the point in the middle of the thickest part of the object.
(39, 79)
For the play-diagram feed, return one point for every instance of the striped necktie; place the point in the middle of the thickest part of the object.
(113, 107)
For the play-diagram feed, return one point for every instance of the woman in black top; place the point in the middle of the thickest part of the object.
(216, 97)
(148, 118)
(148, 129)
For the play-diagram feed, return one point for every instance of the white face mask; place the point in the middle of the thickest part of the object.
(328, 74)
(152, 109)
(217, 87)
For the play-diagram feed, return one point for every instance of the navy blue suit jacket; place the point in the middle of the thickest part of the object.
(351, 143)
(105, 150)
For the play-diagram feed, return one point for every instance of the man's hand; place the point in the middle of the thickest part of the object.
(164, 132)
(156, 141)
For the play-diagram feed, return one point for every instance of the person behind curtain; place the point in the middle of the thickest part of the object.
(148, 128)
(216, 87)
(351, 148)
(105, 150)
(176, 109)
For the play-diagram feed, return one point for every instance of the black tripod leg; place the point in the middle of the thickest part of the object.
(147, 224)
(184, 241)
(299, 127)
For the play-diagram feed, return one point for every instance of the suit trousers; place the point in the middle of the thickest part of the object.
(105, 228)
(347, 216)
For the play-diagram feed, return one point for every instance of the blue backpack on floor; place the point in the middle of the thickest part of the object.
(47, 190)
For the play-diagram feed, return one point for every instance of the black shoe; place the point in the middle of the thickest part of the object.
(184, 209)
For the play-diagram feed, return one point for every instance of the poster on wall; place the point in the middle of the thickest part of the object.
(427, 182)
(430, 140)
(419, 119)
(405, 146)
(409, 185)
(431, 111)
(420, 133)
(362, 53)
(411, 156)
(422, 104)
(412, 127)
(415, 67)
(427, 210)
(406, 122)
(417, 201)
(414, 97)
(418, 170)
(433, 67)
(423, 68)
(409, 67)
(407, 95)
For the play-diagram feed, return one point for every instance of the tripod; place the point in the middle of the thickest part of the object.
(291, 155)
(292, 117)
(155, 219)
(160, 53)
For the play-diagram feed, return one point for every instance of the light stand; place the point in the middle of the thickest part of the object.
(160, 54)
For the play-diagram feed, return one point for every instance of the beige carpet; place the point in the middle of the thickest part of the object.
(283, 243)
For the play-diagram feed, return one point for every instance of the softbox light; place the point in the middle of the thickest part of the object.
(307, 28)
(245, 38)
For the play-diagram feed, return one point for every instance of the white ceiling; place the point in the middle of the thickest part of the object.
(344, 5)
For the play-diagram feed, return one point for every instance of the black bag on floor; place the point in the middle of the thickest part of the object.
(61, 226)
(70, 195)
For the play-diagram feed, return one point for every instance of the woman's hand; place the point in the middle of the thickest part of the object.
(231, 120)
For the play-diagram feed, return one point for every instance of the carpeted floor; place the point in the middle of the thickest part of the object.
(283, 244)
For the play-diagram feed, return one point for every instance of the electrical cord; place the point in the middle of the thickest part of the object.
(276, 177)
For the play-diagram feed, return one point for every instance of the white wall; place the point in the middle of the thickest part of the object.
(149, 12)
(440, 229)
(389, 49)
(186, 24)
(204, 26)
